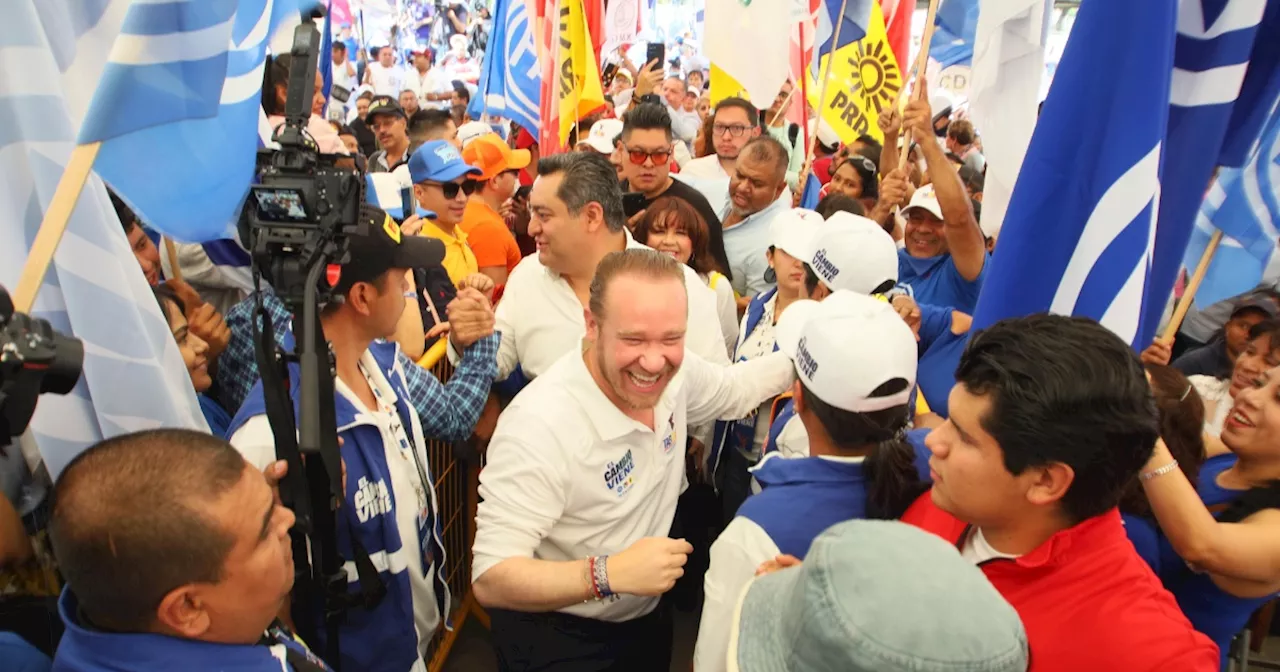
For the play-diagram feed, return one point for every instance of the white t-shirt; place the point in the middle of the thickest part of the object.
(433, 81)
(386, 81)
(759, 343)
(977, 550)
(570, 476)
(256, 443)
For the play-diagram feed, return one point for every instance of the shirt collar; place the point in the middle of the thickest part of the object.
(757, 217)
(605, 417)
(458, 235)
(1092, 534)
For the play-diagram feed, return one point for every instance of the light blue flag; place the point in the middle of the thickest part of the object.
(393, 192)
(177, 105)
(955, 27)
(1245, 204)
(511, 83)
(856, 16)
(1099, 229)
(134, 377)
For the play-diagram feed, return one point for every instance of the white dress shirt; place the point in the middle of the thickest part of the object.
(540, 319)
(570, 476)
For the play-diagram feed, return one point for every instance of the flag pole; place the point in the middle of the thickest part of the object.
(822, 95)
(922, 60)
(1193, 286)
(54, 224)
(171, 251)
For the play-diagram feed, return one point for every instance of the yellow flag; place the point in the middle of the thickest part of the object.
(864, 80)
(579, 93)
(723, 85)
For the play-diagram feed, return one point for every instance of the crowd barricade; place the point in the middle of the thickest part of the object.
(456, 482)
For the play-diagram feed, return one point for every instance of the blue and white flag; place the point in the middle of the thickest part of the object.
(134, 377)
(393, 192)
(1245, 204)
(856, 16)
(955, 30)
(511, 84)
(177, 104)
(1099, 228)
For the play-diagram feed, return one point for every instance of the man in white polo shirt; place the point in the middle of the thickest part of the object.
(579, 494)
(576, 218)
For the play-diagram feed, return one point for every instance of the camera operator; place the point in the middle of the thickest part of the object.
(177, 557)
(390, 505)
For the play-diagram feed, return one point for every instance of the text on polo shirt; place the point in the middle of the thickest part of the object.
(372, 499)
(805, 361)
(824, 267)
(617, 476)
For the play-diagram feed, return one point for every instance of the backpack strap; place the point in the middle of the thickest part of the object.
(793, 132)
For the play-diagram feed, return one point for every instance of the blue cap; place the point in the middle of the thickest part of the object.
(438, 161)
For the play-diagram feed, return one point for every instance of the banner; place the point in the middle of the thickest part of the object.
(865, 79)
(578, 90)
(512, 79)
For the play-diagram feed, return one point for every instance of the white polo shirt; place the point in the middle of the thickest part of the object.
(540, 319)
(570, 476)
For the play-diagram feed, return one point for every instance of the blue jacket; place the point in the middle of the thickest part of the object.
(383, 638)
(739, 434)
(800, 497)
(87, 650)
(777, 424)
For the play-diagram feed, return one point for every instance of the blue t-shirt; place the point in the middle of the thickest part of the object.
(937, 281)
(940, 351)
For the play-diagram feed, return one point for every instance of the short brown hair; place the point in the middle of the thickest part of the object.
(962, 131)
(127, 524)
(643, 262)
(668, 211)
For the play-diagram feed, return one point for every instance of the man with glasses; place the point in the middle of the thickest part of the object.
(492, 242)
(646, 169)
(734, 123)
(442, 184)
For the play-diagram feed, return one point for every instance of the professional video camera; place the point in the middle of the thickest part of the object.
(295, 224)
(34, 360)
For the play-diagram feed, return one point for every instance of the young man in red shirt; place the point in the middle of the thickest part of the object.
(1050, 420)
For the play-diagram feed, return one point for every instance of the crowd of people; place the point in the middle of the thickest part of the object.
(706, 399)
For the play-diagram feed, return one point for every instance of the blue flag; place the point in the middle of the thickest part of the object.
(1099, 228)
(1245, 204)
(326, 52)
(812, 192)
(853, 26)
(177, 106)
(134, 377)
(511, 83)
(955, 27)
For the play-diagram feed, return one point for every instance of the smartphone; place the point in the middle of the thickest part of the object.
(607, 76)
(656, 51)
(633, 203)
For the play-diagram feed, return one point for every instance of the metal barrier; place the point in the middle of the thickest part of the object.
(456, 483)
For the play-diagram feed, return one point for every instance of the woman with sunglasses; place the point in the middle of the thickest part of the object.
(672, 226)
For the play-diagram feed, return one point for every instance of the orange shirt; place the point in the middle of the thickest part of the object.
(489, 238)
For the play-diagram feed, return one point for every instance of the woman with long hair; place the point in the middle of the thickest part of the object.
(194, 355)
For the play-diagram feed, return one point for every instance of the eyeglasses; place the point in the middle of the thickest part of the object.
(451, 189)
(734, 131)
(638, 156)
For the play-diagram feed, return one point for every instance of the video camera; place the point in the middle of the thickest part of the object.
(34, 360)
(295, 225)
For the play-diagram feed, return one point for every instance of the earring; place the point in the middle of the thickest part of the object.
(770, 276)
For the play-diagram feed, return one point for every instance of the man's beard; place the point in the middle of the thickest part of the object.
(615, 379)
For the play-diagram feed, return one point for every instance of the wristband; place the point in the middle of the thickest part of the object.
(410, 295)
(600, 576)
(1148, 475)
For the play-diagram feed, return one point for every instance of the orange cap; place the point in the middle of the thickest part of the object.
(491, 155)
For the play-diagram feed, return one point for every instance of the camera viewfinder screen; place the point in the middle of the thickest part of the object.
(279, 205)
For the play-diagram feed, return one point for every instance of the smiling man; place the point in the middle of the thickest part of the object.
(588, 462)
(442, 183)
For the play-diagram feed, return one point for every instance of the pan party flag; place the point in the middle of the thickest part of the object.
(865, 79)
(579, 91)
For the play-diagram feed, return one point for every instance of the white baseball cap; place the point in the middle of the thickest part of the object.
(793, 231)
(925, 198)
(846, 346)
(602, 134)
(826, 134)
(854, 253)
(472, 130)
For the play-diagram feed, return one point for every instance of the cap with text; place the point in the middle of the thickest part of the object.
(438, 161)
(854, 253)
(793, 231)
(602, 135)
(491, 155)
(377, 245)
(847, 346)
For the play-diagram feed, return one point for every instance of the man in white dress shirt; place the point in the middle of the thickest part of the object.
(579, 494)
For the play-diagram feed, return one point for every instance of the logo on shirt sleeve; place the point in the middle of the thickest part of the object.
(617, 475)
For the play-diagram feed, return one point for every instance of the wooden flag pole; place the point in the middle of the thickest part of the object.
(1193, 286)
(921, 65)
(171, 251)
(54, 224)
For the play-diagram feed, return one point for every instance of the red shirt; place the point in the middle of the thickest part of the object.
(1086, 599)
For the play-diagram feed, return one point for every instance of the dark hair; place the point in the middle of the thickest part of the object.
(339, 46)
(344, 129)
(1065, 390)
(367, 95)
(670, 211)
(128, 525)
(646, 117)
(1181, 426)
(961, 130)
(431, 120)
(890, 464)
(588, 178)
(972, 178)
(128, 220)
(753, 115)
(1269, 328)
(765, 147)
(865, 169)
(871, 148)
(275, 74)
(977, 211)
(707, 146)
(462, 90)
(165, 294)
(833, 203)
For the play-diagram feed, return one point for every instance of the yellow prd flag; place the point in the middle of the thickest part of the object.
(580, 93)
(864, 80)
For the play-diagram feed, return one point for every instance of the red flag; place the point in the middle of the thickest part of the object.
(803, 39)
(594, 12)
(897, 25)
(549, 137)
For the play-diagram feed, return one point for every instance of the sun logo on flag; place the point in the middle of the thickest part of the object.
(878, 79)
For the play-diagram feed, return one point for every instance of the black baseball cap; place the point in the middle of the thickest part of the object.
(384, 105)
(377, 245)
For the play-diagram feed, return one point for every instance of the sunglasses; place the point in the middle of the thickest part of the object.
(638, 156)
(451, 189)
